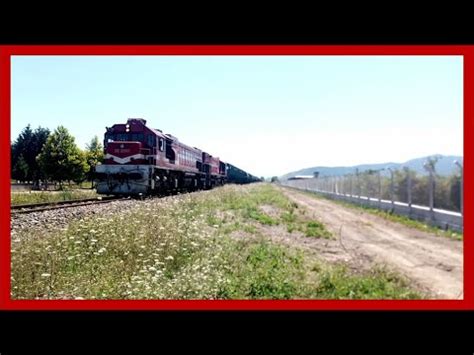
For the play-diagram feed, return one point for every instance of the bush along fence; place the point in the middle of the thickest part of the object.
(433, 199)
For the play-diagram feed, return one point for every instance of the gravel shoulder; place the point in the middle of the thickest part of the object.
(432, 262)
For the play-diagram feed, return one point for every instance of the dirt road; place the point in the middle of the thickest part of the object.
(433, 262)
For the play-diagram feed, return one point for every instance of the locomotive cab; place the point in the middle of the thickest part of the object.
(169, 152)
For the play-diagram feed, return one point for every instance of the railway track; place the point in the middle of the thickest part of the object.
(38, 207)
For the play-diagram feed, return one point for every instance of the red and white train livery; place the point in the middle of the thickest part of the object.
(142, 160)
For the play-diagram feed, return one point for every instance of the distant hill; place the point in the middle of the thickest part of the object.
(444, 167)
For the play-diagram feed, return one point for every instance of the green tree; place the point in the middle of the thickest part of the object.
(61, 159)
(400, 181)
(94, 156)
(275, 179)
(19, 166)
(40, 136)
(24, 151)
(419, 192)
(455, 192)
(20, 169)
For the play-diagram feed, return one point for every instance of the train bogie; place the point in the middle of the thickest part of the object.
(122, 179)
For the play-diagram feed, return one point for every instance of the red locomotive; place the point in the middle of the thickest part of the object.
(142, 160)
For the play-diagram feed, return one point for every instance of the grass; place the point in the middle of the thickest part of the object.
(378, 283)
(393, 217)
(316, 229)
(248, 205)
(20, 198)
(182, 248)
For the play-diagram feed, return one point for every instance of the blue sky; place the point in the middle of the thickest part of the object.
(266, 114)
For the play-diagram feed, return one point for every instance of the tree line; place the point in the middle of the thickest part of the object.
(43, 156)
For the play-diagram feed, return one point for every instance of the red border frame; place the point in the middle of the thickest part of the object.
(467, 51)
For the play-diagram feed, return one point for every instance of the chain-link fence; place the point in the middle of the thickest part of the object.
(391, 187)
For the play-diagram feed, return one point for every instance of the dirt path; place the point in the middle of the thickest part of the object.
(435, 263)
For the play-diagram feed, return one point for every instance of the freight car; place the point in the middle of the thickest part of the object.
(142, 160)
(238, 176)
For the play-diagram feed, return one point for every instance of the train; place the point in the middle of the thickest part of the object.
(140, 160)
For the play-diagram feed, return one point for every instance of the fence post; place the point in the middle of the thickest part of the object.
(380, 187)
(358, 184)
(431, 190)
(429, 167)
(350, 186)
(407, 170)
(392, 191)
(461, 187)
(368, 185)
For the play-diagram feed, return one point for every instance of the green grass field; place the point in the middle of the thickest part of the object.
(185, 247)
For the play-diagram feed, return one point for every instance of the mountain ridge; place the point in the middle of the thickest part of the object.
(445, 166)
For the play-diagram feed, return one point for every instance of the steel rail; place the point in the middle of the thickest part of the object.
(38, 207)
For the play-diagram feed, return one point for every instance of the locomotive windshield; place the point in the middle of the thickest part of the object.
(121, 137)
